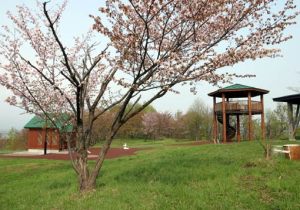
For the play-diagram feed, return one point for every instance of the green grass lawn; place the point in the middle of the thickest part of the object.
(144, 143)
(231, 176)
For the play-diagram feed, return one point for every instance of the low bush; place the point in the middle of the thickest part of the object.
(16, 140)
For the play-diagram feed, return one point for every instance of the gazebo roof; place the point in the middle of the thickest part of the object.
(294, 99)
(39, 122)
(238, 91)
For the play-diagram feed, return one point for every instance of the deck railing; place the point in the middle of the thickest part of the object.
(240, 106)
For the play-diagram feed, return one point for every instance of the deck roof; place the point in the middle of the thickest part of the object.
(238, 91)
(294, 99)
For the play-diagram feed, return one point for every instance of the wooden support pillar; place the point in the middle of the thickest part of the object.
(224, 118)
(46, 137)
(290, 121)
(293, 119)
(249, 117)
(45, 141)
(215, 127)
(262, 123)
(238, 128)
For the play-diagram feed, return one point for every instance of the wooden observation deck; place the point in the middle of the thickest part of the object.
(231, 105)
(240, 107)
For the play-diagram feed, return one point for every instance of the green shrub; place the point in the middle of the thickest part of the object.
(297, 136)
(16, 140)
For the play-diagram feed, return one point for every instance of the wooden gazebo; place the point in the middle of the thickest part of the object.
(231, 105)
(43, 135)
(293, 104)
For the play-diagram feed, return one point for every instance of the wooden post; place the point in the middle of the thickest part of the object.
(46, 136)
(262, 123)
(249, 117)
(224, 118)
(238, 130)
(291, 121)
(45, 142)
(217, 128)
(215, 131)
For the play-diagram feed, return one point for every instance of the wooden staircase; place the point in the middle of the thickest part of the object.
(230, 130)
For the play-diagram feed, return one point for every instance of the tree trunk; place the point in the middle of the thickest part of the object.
(268, 151)
(85, 182)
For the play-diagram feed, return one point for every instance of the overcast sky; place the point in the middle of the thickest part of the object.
(275, 75)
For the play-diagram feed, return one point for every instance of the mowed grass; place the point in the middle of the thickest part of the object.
(231, 176)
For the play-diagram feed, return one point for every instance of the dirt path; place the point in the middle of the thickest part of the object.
(112, 153)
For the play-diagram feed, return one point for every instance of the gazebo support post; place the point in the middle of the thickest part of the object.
(249, 117)
(296, 119)
(238, 129)
(215, 131)
(262, 123)
(224, 118)
(291, 121)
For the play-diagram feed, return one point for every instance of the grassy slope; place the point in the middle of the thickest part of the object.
(232, 176)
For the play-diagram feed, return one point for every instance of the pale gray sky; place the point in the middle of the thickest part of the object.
(275, 75)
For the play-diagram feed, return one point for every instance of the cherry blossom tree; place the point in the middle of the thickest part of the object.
(152, 46)
(149, 122)
(157, 125)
